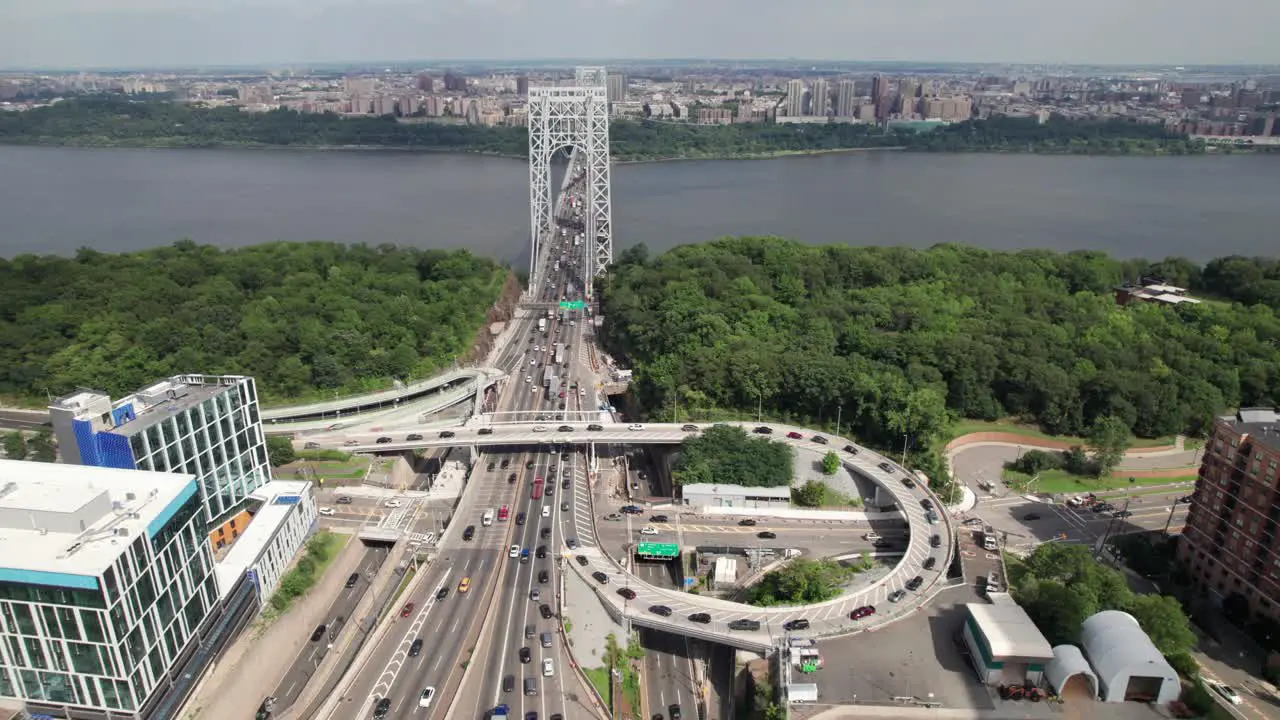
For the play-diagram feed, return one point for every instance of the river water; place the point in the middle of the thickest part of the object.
(54, 200)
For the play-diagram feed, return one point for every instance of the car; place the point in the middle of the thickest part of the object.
(659, 519)
(382, 708)
(972, 521)
(545, 611)
(862, 612)
(1123, 513)
(851, 449)
(393, 503)
(551, 469)
(549, 490)
(797, 624)
(702, 617)
(914, 583)
(524, 555)
(464, 585)
(897, 595)
(635, 426)
(908, 482)
(648, 530)
(539, 428)
(514, 552)
(1184, 499)
(353, 579)
(511, 478)
(886, 467)
(351, 443)
(543, 576)
(469, 533)
(571, 543)
(491, 467)
(407, 610)
(600, 577)
(1031, 516)
(662, 610)
(763, 430)
(744, 624)
(416, 648)
(747, 522)
(506, 462)
(930, 563)
(411, 437)
(525, 655)
(327, 511)
(881, 544)
(343, 500)
(935, 541)
(674, 712)
(632, 509)
(926, 503)
(1227, 692)
(383, 440)
(443, 592)
(428, 694)
(689, 428)
(544, 533)
(564, 506)
(795, 435)
(546, 511)
(520, 518)
(819, 439)
(582, 560)
(446, 434)
(564, 428)
(595, 428)
(317, 633)
(487, 431)
(548, 667)
(627, 593)
(542, 551)
(766, 535)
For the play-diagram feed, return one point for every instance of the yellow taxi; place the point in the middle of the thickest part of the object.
(465, 585)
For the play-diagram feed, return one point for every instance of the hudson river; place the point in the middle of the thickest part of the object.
(54, 200)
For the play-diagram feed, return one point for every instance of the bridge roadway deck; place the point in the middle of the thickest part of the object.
(826, 619)
(355, 403)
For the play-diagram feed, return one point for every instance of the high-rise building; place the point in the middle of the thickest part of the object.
(202, 425)
(795, 98)
(1229, 539)
(616, 87)
(426, 83)
(109, 606)
(819, 98)
(522, 86)
(454, 82)
(846, 99)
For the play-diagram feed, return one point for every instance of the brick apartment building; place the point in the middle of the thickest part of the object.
(1229, 543)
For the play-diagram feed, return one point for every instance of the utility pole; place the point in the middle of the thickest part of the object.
(759, 405)
(839, 411)
(904, 450)
(1173, 506)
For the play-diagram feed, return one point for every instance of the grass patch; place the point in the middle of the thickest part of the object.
(321, 550)
(1063, 482)
(568, 626)
(965, 427)
(599, 678)
(323, 455)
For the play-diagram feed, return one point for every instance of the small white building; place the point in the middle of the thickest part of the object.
(285, 517)
(1127, 663)
(1004, 645)
(708, 495)
(724, 573)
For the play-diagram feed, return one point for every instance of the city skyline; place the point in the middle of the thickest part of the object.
(163, 33)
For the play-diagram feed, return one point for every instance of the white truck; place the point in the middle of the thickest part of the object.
(487, 519)
(542, 324)
(989, 538)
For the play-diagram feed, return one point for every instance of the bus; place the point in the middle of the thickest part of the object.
(537, 488)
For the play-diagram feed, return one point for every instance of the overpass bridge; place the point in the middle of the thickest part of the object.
(826, 619)
(326, 412)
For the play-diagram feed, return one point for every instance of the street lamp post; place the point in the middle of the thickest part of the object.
(839, 411)
(759, 405)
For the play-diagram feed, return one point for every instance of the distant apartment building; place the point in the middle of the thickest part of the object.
(1229, 541)
(384, 105)
(255, 94)
(426, 83)
(616, 87)
(795, 98)
(819, 98)
(357, 86)
(522, 86)
(714, 116)
(454, 82)
(207, 426)
(846, 99)
(946, 109)
(109, 607)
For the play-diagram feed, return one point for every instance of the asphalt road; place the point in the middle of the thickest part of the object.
(668, 672)
(23, 419)
(338, 614)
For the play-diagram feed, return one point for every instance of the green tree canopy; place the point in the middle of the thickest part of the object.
(801, 581)
(280, 451)
(1108, 439)
(299, 317)
(727, 455)
(830, 463)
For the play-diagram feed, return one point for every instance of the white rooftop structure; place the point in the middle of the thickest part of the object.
(1009, 630)
(1127, 663)
(66, 524)
(282, 501)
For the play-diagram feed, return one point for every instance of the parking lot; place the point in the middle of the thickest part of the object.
(915, 657)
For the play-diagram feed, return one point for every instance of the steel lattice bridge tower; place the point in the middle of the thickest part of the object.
(575, 117)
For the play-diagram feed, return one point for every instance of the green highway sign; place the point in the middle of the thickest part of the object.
(573, 304)
(664, 550)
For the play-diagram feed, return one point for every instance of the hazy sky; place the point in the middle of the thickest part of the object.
(132, 33)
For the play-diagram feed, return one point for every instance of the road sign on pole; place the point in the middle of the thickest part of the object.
(573, 304)
(658, 550)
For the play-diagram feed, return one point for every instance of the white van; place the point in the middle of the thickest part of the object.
(487, 518)
(871, 537)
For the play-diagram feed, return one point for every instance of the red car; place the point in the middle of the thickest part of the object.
(864, 611)
(795, 436)
(407, 610)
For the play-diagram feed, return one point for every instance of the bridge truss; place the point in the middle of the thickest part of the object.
(575, 117)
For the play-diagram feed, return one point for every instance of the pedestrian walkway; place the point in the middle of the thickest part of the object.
(588, 622)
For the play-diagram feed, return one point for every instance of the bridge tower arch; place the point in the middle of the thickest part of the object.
(574, 116)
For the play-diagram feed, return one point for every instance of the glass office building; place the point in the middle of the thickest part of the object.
(106, 584)
(202, 425)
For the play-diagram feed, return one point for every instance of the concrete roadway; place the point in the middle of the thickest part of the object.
(336, 617)
(668, 671)
(23, 419)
